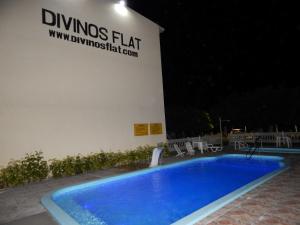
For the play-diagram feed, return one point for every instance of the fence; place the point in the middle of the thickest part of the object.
(266, 138)
(249, 138)
(181, 142)
(212, 139)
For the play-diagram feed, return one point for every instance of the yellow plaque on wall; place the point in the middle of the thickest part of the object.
(141, 129)
(155, 128)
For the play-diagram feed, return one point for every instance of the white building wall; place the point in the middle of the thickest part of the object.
(67, 98)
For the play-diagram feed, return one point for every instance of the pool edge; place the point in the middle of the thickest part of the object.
(200, 214)
(62, 218)
(59, 215)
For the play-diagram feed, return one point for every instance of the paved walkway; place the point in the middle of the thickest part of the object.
(22, 204)
(275, 202)
(24, 201)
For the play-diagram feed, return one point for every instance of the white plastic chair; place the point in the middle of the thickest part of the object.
(189, 148)
(214, 148)
(179, 152)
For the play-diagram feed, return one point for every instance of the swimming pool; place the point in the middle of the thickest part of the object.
(180, 193)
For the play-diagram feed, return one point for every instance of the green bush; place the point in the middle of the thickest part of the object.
(13, 174)
(31, 168)
(34, 168)
(2, 184)
(72, 165)
(56, 168)
(166, 152)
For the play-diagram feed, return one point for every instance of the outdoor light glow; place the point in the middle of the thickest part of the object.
(122, 3)
(121, 8)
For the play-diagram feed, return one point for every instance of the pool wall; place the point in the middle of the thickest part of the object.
(64, 219)
(221, 202)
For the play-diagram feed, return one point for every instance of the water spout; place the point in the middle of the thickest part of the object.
(156, 154)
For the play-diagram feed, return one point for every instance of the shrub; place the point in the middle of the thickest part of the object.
(31, 168)
(13, 174)
(2, 184)
(166, 152)
(34, 168)
(56, 168)
(72, 165)
(95, 161)
(69, 166)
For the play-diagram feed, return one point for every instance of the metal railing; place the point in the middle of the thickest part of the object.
(266, 137)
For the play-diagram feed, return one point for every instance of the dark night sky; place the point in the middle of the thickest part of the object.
(235, 59)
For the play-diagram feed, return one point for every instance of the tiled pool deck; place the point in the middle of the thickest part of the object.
(275, 202)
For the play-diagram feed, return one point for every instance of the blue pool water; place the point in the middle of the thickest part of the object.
(162, 195)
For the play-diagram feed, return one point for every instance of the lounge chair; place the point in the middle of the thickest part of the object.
(179, 152)
(201, 146)
(189, 148)
(214, 148)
